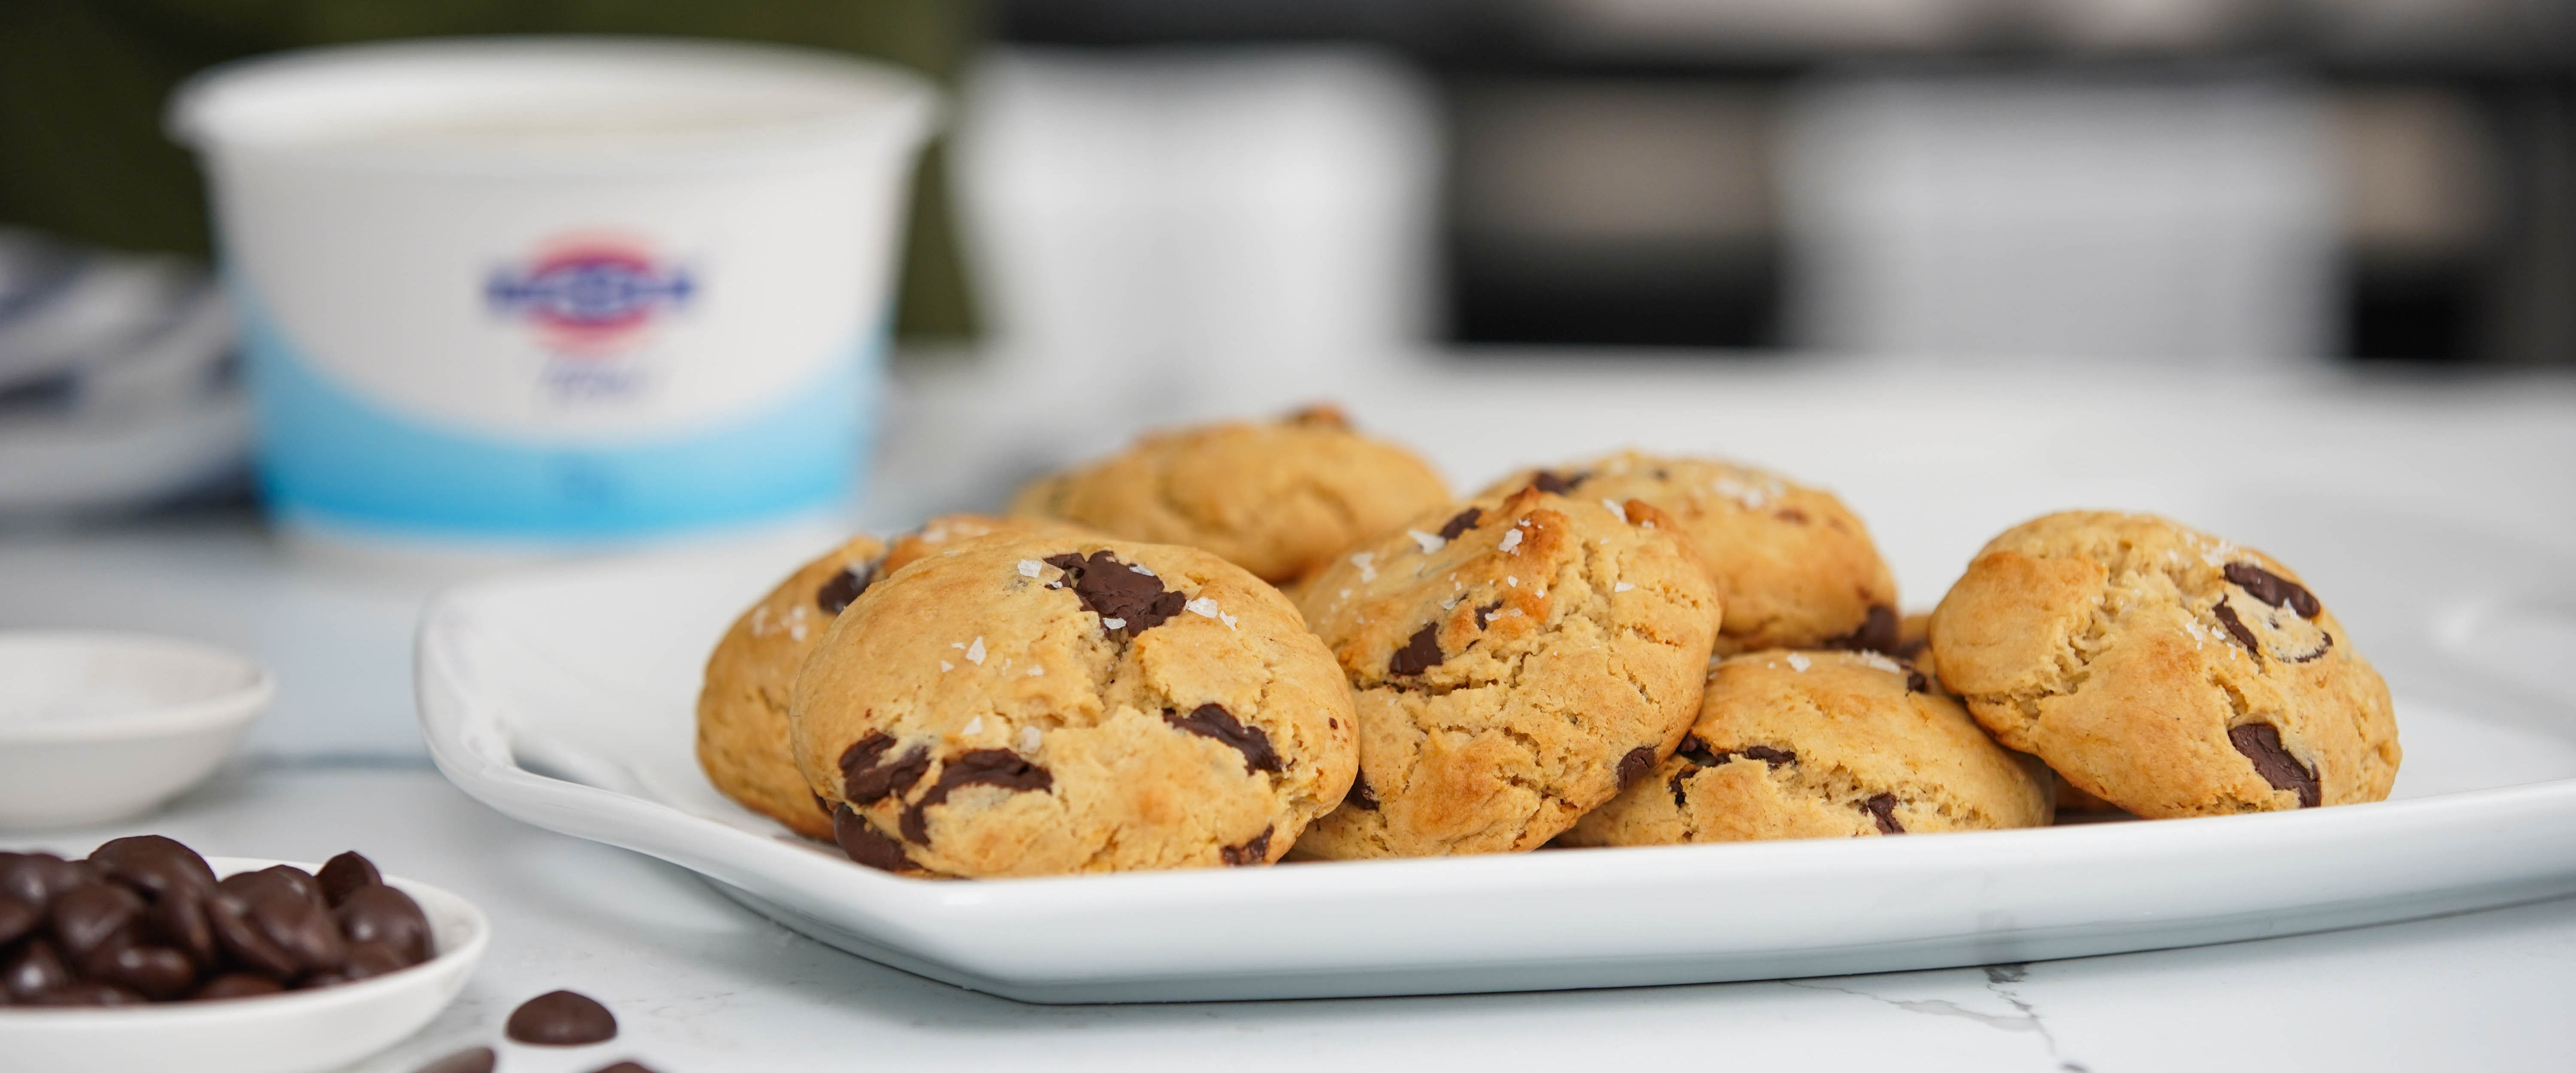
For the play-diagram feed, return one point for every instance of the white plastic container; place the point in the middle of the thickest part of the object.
(549, 292)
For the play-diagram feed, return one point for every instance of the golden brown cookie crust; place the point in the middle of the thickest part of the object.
(2165, 670)
(1822, 745)
(1276, 498)
(742, 707)
(1514, 660)
(1793, 566)
(984, 718)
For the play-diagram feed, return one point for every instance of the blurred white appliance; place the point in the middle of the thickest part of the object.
(2173, 221)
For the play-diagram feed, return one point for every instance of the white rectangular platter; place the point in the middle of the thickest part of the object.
(564, 698)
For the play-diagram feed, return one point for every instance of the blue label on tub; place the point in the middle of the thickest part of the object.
(333, 456)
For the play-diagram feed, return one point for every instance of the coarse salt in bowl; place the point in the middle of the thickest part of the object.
(98, 726)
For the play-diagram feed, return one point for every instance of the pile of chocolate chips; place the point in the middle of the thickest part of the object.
(144, 919)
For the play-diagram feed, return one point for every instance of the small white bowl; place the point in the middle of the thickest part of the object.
(295, 1032)
(97, 727)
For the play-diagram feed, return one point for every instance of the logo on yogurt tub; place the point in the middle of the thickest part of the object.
(590, 296)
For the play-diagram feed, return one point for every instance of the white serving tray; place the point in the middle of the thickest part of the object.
(565, 698)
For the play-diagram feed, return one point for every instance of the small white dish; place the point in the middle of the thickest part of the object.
(96, 726)
(296, 1032)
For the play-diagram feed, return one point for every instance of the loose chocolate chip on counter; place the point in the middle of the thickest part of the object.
(867, 776)
(87, 918)
(35, 969)
(1214, 721)
(88, 993)
(1255, 851)
(844, 588)
(2236, 628)
(155, 972)
(238, 985)
(1419, 654)
(1459, 523)
(624, 1067)
(1636, 764)
(153, 864)
(867, 845)
(1360, 796)
(2272, 588)
(382, 914)
(2261, 743)
(469, 1060)
(561, 1019)
(1557, 483)
(1883, 809)
(1876, 632)
(1117, 592)
(345, 875)
(974, 767)
(16, 920)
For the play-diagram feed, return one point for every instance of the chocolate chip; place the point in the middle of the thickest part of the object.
(152, 864)
(298, 880)
(561, 1019)
(2272, 588)
(1361, 796)
(1485, 614)
(2261, 743)
(1876, 632)
(844, 587)
(86, 993)
(2236, 627)
(1459, 523)
(1256, 851)
(469, 1060)
(35, 969)
(1419, 654)
(269, 929)
(975, 767)
(87, 918)
(345, 875)
(1636, 764)
(629, 1066)
(2322, 648)
(867, 845)
(178, 920)
(1214, 721)
(238, 985)
(1769, 755)
(1916, 683)
(382, 914)
(32, 879)
(1680, 799)
(1558, 483)
(1696, 751)
(1883, 809)
(1116, 592)
(866, 776)
(155, 972)
(16, 920)
(368, 960)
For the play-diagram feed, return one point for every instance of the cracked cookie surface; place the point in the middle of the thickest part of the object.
(1822, 745)
(1793, 566)
(1515, 660)
(1046, 705)
(2164, 670)
(1278, 498)
(742, 703)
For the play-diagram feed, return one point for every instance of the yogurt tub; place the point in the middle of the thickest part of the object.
(546, 293)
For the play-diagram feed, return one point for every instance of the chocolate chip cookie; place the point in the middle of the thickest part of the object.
(1822, 745)
(2164, 670)
(742, 707)
(1044, 705)
(1792, 565)
(1276, 498)
(1517, 660)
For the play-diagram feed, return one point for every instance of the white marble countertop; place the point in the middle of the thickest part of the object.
(1934, 464)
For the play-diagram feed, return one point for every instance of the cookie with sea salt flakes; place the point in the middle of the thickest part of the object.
(2164, 670)
(1792, 565)
(1822, 745)
(1517, 660)
(1044, 705)
(1278, 498)
(742, 707)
